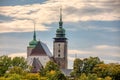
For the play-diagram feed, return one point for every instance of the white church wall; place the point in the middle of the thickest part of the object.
(42, 59)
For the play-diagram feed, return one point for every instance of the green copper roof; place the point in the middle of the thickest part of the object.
(34, 42)
(60, 32)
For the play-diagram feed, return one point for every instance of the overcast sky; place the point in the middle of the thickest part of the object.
(92, 26)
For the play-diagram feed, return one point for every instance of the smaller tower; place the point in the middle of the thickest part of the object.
(32, 44)
(60, 45)
(38, 54)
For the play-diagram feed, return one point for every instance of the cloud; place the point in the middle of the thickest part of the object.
(18, 55)
(78, 52)
(109, 29)
(108, 47)
(71, 60)
(20, 2)
(106, 53)
(111, 61)
(48, 12)
(21, 26)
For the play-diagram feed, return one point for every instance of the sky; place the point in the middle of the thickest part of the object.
(92, 27)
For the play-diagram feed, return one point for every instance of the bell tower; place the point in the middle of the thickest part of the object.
(60, 45)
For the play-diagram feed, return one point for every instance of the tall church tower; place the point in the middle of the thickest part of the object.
(60, 45)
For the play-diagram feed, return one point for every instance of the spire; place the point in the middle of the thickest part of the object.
(60, 22)
(34, 36)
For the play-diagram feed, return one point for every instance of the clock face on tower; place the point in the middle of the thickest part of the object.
(59, 49)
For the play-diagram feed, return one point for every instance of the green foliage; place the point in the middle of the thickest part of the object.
(112, 70)
(56, 75)
(108, 78)
(15, 77)
(32, 76)
(51, 66)
(53, 72)
(77, 67)
(5, 63)
(17, 70)
(87, 69)
(3, 78)
(84, 66)
(89, 64)
(42, 72)
(83, 77)
(101, 70)
(20, 62)
(92, 77)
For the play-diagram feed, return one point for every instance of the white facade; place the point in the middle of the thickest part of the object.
(42, 59)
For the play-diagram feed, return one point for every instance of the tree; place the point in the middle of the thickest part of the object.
(101, 70)
(77, 67)
(112, 70)
(83, 77)
(51, 66)
(42, 72)
(59, 76)
(89, 64)
(20, 62)
(92, 77)
(53, 72)
(5, 63)
(15, 77)
(108, 78)
(32, 76)
(17, 70)
(56, 75)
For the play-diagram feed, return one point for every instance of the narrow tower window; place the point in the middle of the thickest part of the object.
(59, 50)
(58, 44)
(58, 55)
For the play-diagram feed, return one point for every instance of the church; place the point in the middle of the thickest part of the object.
(38, 53)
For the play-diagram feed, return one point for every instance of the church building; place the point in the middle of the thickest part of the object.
(38, 53)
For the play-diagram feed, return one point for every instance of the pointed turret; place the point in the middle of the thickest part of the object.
(34, 42)
(60, 32)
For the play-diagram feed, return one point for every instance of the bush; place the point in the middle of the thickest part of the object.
(15, 77)
(32, 76)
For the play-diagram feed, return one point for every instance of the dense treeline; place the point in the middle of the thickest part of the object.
(94, 69)
(87, 69)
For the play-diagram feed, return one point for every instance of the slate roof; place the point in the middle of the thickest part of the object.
(41, 49)
(36, 65)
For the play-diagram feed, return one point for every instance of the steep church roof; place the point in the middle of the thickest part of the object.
(41, 49)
